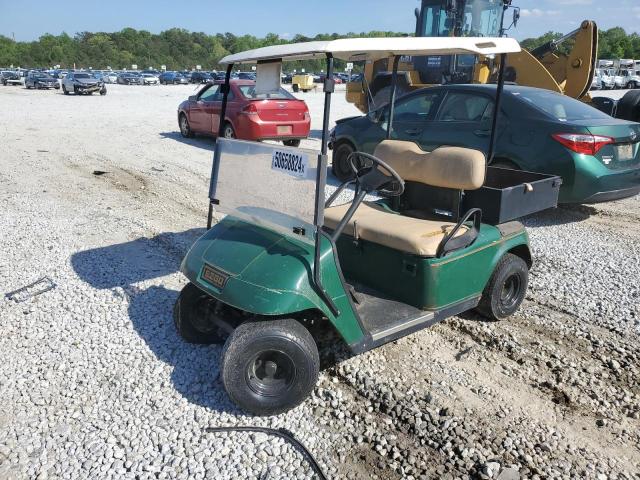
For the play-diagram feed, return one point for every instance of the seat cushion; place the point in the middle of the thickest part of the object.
(411, 235)
(447, 167)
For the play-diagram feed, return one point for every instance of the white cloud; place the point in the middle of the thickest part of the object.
(574, 2)
(536, 12)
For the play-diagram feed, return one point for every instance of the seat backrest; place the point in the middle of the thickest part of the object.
(447, 167)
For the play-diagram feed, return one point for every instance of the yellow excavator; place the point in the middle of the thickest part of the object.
(566, 65)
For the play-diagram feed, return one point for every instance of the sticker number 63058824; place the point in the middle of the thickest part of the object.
(291, 163)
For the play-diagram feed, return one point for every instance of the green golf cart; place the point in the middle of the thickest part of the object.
(423, 236)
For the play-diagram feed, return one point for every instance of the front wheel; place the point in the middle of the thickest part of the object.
(291, 143)
(103, 91)
(506, 289)
(191, 316)
(64, 90)
(340, 165)
(269, 366)
(185, 128)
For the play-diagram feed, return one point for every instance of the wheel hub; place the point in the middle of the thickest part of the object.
(510, 291)
(270, 373)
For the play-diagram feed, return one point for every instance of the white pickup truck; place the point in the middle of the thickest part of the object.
(627, 78)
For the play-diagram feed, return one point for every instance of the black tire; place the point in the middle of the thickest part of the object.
(228, 131)
(64, 90)
(506, 288)
(103, 91)
(340, 164)
(185, 128)
(292, 143)
(269, 366)
(295, 87)
(629, 106)
(190, 316)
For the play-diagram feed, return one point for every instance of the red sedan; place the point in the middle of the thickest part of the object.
(249, 116)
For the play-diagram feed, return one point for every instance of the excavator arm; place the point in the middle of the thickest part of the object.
(546, 67)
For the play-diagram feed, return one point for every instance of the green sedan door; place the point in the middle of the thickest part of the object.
(413, 116)
(463, 120)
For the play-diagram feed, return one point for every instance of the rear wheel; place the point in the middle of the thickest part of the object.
(340, 165)
(291, 143)
(506, 289)
(269, 366)
(228, 131)
(191, 315)
(185, 128)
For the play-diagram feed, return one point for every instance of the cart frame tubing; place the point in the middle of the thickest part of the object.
(392, 98)
(321, 180)
(216, 155)
(496, 109)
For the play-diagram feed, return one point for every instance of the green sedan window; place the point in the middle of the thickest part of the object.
(559, 107)
(465, 107)
(416, 109)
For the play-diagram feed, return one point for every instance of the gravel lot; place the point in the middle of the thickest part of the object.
(95, 383)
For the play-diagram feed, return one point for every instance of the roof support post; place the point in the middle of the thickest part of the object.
(216, 156)
(321, 180)
(496, 109)
(392, 97)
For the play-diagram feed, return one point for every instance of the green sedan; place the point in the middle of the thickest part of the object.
(597, 156)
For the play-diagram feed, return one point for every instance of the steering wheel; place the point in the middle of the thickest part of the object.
(374, 175)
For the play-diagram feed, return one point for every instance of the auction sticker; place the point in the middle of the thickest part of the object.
(290, 162)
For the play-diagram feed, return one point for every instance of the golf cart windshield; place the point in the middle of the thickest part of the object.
(268, 185)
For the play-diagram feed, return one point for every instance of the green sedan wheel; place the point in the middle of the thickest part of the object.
(340, 165)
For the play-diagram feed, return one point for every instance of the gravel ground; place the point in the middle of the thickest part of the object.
(95, 383)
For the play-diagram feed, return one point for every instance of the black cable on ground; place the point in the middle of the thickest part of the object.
(282, 433)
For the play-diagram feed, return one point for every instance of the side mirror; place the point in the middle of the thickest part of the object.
(516, 16)
(193, 98)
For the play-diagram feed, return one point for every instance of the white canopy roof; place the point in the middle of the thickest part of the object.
(355, 49)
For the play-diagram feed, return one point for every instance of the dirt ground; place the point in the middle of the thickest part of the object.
(553, 392)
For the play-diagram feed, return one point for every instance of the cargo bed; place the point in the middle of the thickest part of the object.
(511, 194)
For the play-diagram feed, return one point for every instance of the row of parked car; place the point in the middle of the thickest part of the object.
(77, 82)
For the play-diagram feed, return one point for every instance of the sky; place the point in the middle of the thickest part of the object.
(28, 19)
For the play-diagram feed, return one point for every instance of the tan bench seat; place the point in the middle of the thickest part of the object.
(407, 234)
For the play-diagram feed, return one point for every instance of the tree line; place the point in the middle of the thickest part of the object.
(179, 49)
(176, 48)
